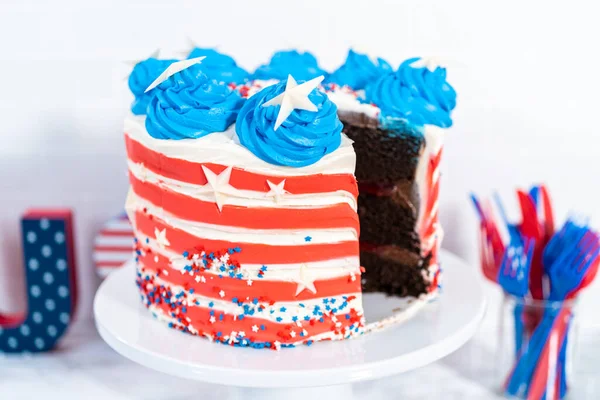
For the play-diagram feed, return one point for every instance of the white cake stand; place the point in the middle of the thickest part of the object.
(324, 369)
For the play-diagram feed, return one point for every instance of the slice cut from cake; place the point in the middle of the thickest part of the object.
(396, 125)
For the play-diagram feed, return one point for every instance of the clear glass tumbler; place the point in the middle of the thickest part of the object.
(536, 343)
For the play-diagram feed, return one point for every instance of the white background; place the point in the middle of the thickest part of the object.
(526, 74)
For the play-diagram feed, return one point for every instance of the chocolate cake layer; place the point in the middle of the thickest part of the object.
(390, 219)
(388, 205)
(391, 275)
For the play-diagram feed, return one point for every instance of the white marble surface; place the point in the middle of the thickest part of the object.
(85, 367)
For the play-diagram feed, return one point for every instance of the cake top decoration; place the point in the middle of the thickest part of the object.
(186, 103)
(358, 71)
(143, 74)
(220, 67)
(172, 69)
(303, 66)
(290, 124)
(417, 91)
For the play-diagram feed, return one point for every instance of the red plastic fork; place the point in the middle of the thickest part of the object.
(531, 228)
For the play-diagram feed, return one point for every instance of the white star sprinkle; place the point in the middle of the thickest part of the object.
(431, 63)
(161, 238)
(249, 282)
(222, 293)
(172, 70)
(294, 97)
(277, 344)
(305, 281)
(242, 334)
(197, 278)
(293, 334)
(254, 328)
(212, 319)
(219, 184)
(277, 191)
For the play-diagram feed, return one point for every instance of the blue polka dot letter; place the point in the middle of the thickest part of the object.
(49, 262)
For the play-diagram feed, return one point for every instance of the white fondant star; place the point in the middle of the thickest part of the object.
(277, 344)
(294, 97)
(277, 191)
(161, 238)
(219, 184)
(305, 281)
(254, 328)
(172, 70)
(431, 63)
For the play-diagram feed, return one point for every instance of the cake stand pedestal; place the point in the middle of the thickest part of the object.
(325, 369)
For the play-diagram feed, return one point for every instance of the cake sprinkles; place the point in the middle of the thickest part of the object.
(248, 197)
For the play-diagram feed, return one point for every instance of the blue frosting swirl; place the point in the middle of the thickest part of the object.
(301, 140)
(220, 67)
(302, 66)
(143, 74)
(358, 71)
(414, 93)
(190, 105)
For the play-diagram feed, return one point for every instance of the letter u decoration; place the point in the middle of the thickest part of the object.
(49, 262)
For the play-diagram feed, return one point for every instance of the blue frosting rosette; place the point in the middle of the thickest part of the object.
(220, 67)
(414, 93)
(302, 66)
(358, 71)
(143, 74)
(302, 139)
(191, 105)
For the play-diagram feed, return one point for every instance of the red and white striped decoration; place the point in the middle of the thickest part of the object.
(430, 230)
(113, 245)
(290, 241)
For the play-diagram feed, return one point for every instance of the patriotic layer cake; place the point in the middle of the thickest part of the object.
(244, 200)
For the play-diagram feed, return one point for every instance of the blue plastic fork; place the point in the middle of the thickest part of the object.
(513, 277)
(514, 271)
(566, 274)
(570, 233)
(516, 288)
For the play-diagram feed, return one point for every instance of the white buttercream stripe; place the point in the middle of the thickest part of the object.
(224, 148)
(244, 198)
(235, 234)
(319, 270)
(347, 101)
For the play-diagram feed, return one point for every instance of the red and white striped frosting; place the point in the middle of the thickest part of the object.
(290, 235)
